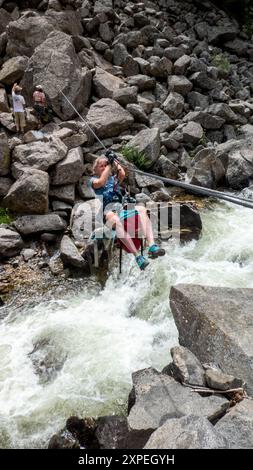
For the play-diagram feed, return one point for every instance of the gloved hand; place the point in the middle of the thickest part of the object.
(111, 156)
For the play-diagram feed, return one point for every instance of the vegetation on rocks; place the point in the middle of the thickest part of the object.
(133, 155)
(221, 62)
(5, 217)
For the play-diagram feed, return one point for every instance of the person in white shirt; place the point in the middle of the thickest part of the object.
(18, 107)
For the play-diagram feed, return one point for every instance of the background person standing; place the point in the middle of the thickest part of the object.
(18, 107)
(39, 104)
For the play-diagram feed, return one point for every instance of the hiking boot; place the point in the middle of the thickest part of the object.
(142, 262)
(154, 251)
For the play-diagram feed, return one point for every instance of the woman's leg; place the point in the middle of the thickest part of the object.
(145, 223)
(17, 122)
(113, 220)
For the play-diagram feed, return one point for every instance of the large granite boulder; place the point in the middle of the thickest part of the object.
(35, 224)
(57, 56)
(188, 432)
(108, 118)
(29, 194)
(25, 34)
(237, 426)
(158, 397)
(38, 155)
(215, 323)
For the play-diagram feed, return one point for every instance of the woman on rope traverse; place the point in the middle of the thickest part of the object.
(106, 186)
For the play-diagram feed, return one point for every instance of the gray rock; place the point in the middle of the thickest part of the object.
(206, 169)
(108, 118)
(11, 243)
(160, 67)
(201, 80)
(219, 314)
(179, 84)
(130, 67)
(192, 132)
(105, 83)
(39, 155)
(65, 193)
(5, 19)
(165, 167)
(5, 184)
(85, 191)
(174, 53)
(237, 426)
(5, 157)
(28, 253)
(173, 105)
(181, 64)
(13, 70)
(56, 265)
(137, 112)
(29, 194)
(144, 181)
(161, 120)
(237, 46)
(159, 397)
(35, 136)
(221, 34)
(4, 106)
(207, 120)
(143, 82)
(196, 99)
(219, 381)
(6, 119)
(34, 224)
(120, 54)
(126, 95)
(148, 142)
(70, 254)
(186, 368)
(222, 110)
(75, 140)
(27, 33)
(188, 432)
(68, 170)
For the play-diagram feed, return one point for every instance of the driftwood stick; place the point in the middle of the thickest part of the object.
(198, 388)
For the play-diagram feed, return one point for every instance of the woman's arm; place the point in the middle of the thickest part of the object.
(121, 171)
(102, 180)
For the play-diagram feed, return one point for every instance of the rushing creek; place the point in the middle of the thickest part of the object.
(94, 341)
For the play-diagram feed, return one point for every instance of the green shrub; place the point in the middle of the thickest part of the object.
(5, 217)
(221, 62)
(133, 155)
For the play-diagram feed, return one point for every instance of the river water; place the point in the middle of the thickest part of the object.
(95, 340)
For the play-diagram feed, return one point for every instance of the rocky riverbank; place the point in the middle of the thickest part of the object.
(198, 401)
